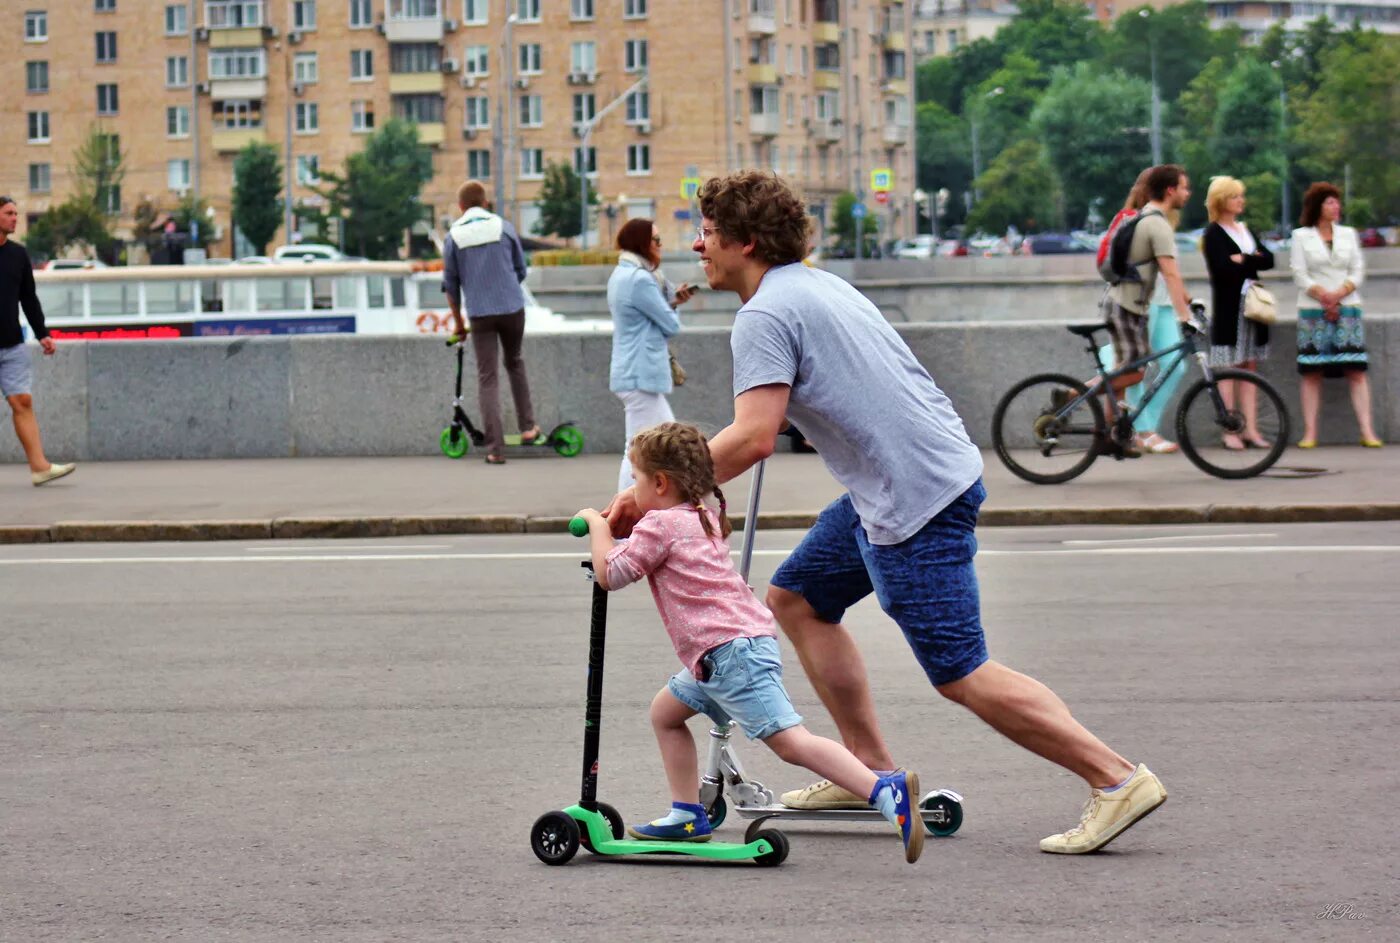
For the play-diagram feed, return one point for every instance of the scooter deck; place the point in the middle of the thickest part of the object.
(930, 816)
(600, 837)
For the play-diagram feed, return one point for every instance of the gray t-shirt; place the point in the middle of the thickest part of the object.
(1153, 238)
(882, 426)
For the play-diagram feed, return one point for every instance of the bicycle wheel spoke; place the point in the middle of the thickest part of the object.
(1249, 413)
(1042, 433)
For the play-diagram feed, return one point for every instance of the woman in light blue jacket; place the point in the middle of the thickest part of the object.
(643, 307)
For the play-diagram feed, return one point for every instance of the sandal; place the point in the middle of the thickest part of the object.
(530, 435)
(1232, 442)
(1307, 443)
(1154, 444)
(495, 459)
(1258, 443)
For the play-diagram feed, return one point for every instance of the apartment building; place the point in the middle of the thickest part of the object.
(818, 90)
(1255, 18)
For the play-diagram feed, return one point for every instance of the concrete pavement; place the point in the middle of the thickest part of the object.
(383, 497)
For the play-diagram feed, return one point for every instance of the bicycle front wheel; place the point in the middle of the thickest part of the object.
(1046, 428)
(1214, 408)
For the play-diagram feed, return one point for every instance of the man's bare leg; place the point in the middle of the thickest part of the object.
(27, 429)
(836, 670)
(1028, 713)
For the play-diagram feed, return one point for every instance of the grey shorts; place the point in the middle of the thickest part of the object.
(1128, 331)
(14, 370)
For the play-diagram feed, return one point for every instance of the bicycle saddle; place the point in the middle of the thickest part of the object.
(1086, 330)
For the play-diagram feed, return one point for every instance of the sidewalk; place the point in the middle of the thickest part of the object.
(379, 497)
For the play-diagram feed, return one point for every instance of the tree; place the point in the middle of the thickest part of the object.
(1245, 129)
(1014, 191)
(99, 167)
(559, 202)
(193, 214)
(944, 155)
(1182, 37)
(843, 223)
(1053, 33)
(1092, 126)
(75, 222)
(1191, 119)
(257, 193)
(378, 194)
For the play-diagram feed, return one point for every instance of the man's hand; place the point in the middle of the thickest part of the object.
(48, 345)
(622, 513)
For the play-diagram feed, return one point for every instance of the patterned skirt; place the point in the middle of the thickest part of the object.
(1331, 348)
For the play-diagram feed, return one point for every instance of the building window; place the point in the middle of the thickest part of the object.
(803, 61)
(308, 118)
(585, 107)
(104, 6)
(532, 162)
(639, 158)
(36, 77)
(308, 170)
(580, 9)
(478, 113)
(107, 46)
(236, 114)
(952, 41)
(475, 13)
(107, 99)
(634, 55)
(828, 106)
(303, 14)
(361, 14)
(419, 109)
(177, 121)
(177, 174)
(415, 57)
(529, 58)
(36, 26)
(40, 178)
(638, 108)
(531, 111)
(177, 19)
(414, 9)
(634, 9)
(361, 116)
(237, 64)
(177, 71)
(479, 164)
(527, 11)
(476, 60)
(232, 14)
(38, 127)
(305, 68)
(583, 57)
(361, 64)
(586, 161)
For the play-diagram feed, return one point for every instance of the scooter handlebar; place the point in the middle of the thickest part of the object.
(578, 527)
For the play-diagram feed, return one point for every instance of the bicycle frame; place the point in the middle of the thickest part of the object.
(1186, 348)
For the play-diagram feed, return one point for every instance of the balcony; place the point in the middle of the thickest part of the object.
(894, 87)
(827, 80)
(824, 130)
(895, 134)
(417, 29)
(767, 124)
(432, 133)
(763, 18)
(239, 88)
(826, 32)
(416, 83)
(894, 40)
(231, 141)
(244, 37)
(762, 74)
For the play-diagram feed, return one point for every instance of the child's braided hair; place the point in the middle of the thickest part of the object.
(681, 451)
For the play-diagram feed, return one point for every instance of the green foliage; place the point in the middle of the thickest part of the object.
(1182, 38)
(1261, 208)
(1014, 191)
(1245, 132)
(1091, 125)
(74, 223)
(944, 154)
(99, 167)
(843, 223)
(377, 196)
(189, 212)
(559, 198)
(257, 193)
(936, 81)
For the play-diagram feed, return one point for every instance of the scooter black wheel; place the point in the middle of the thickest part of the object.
(755, 829)
(780, 848)
(717, 811)
(615, 826)
(952, 813)
(568, 441)
(454, 442)
(554, 838)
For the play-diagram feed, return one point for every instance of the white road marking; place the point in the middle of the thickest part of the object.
(1125, 540)
(577, 555)
(323, 548)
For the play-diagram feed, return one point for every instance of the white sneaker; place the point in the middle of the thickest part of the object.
(1108, 814)
(52, 473)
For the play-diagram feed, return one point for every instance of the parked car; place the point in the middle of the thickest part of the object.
(954, 248)
(1371, 238)
(53, 265)
(307, 252)
(920, 247)
(1054, 243)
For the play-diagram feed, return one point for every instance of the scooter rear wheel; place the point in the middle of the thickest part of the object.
(568, 441)
(717, 811)
(454, 442)
(554, 838)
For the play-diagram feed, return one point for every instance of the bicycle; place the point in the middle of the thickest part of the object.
(1051, 419)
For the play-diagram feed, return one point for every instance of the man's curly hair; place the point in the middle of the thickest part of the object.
(755, 204)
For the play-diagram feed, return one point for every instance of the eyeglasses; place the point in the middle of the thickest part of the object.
(704, 233)
(656, 239)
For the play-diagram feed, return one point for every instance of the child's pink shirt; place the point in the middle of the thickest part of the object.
(701, 597)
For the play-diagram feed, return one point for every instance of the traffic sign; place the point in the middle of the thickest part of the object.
(881, 179)
(882, 197)
(689, 187)
(858, 211)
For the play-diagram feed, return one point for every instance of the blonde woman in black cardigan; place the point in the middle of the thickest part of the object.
(1234, 259)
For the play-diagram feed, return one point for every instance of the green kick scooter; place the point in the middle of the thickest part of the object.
(556, 836)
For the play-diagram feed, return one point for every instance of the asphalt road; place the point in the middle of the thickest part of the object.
(348, 741)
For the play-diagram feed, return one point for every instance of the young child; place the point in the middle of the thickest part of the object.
(724, 637)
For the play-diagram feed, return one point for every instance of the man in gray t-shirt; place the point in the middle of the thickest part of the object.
(810, 347)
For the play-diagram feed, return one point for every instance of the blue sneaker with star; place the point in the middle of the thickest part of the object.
(687, 822)
(895, 796)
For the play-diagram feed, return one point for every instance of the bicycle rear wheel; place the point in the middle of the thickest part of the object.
(1202, 419)
(1039, 444)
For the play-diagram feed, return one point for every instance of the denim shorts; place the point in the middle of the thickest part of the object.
(745, 685)
(14, 370)
(927, 584)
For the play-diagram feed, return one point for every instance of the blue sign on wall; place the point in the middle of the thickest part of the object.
(859, 211)
(251, 327)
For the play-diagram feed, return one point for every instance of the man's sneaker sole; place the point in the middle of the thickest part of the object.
(1122, 827)
(915, 845)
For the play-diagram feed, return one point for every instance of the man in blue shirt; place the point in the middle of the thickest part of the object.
(482, 258)
(809, 347)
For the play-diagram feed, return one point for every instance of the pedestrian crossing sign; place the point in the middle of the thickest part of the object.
(882, 179)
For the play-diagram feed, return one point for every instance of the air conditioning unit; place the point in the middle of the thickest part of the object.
(644, 127)
(522, 83)
(582, 78)
(294, 37)
(270, 32)
(298, 88)
(380, 26)
(203, 88)
(449, 26)
(201, 33)
(468, 81)
(449, 65)
(469, 134)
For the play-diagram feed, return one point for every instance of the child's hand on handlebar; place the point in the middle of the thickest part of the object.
(622, 513)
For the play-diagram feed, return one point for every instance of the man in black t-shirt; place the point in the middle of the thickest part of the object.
(16, 288)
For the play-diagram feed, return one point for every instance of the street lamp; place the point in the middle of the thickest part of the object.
(509, 120)
(976, 145)
(1146, 14)
(584, 137)
(1283, 146)
(920, 203)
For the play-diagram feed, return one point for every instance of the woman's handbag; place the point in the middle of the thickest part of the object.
(1260, 304)
(677, 371)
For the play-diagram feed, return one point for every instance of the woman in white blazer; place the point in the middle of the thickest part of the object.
(1327, 268)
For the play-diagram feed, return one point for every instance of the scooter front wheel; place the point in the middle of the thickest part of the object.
(568, 441)
(454, 442)
(555, 838)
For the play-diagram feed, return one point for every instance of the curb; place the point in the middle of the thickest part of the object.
(298, 528)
